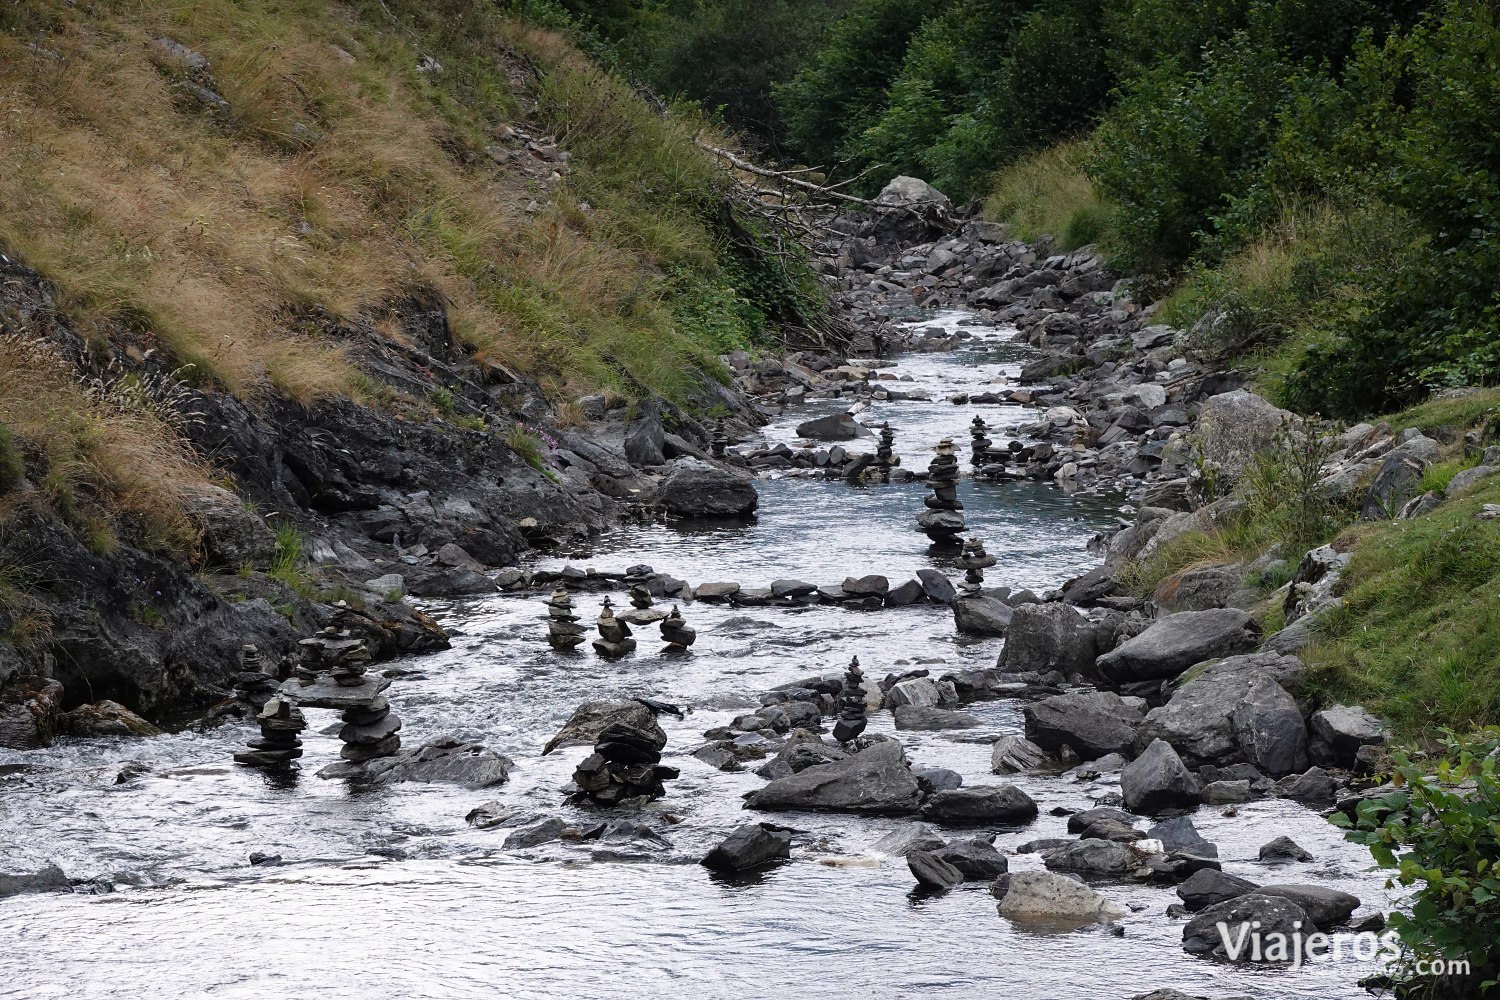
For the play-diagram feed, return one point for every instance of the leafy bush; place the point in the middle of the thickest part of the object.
(1283, 489)
(1440, 834)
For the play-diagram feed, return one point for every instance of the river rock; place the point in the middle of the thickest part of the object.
(1178, 834)
(1081, 821)
(980, 615)
(917, 692)
(835, 427)
(1092, 723)
(1046, 637)
(1199, 718)
(1119, 831)
(1179, 641)
(645, 437)
(1325, 907)
(1096, 857)
(447, 760)
(1209, 887)
(1282, 850)
(535, 834)
(1233, 427)
(921, 717)
(593, 717)
(977, 859)
(1227, 793)
(911, 837)
(750, 846)
(1269, 728)
(1313, 787)
(1273, 918)
(1158, 780)
(980, 804)
(1338, 733)
(867, 586)
(876, 780)
(936, 586)
(49, 879)
(941, 779)
(931, 872)
(1011, 754)
(798, 755)
(30, 708)
(1049, 898)
(694, 488)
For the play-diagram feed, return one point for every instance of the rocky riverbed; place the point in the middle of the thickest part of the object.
(969, 839)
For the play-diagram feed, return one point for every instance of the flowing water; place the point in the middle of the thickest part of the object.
(387, 892)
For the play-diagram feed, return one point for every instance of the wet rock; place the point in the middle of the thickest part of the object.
(260, 859)
(1282, 850)
(1049, 898)
(976, 859)
(979, 615)
(447, 760)
(980, 804)
(535, 834)
(1096, 857)
(1225, 793)
(1111, 829)
(593, 717)
(1011, 754)
(49, 879)
(750, 846)
(796, 757)
(1209, 887)
(30, 708)
(1092, 723)
(912, 837)
(1325, 907)
(835, 427)
(1179, 834)
(1312, 787)
(941, 779)
(936, 586)
(916, 692)
(876, 780)
(1272, 918)
(694, 488)
(926, 718)
(105, 718)
(906, 594)
(1081, 821)
(1179, 641)
(932, 872)
(1046, 637)
(867, 586)
(1338, 733)
(1158, 780)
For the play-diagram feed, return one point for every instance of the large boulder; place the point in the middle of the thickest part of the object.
(233, 534)
(49, 879)
(1158, 780)
(976, 859)
(1199, 718)
(1016, 753)
(835, 427)
(1395, 484)
(593, 717)
(1312, 585)
(750, 846)
(1179, 641)
(645, 437)
(446, 760)
(1045, 637)
(30, 709)
(1199, 588)
(1233, 427)
(876, 780)
(931, 872)
(104, 718)
(1229, 930)
(1339, 731)
(1325, 907)
(1270, 730)
(1096, 856)
(1049, 898)
(980, 805)
(1209, 887)
(1092, 723)
(929, 719)
(694, 488)
(979, 615)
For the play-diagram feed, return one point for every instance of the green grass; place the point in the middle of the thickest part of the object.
(12, 468)
(1418, 637)
(1047, 193)
(289, 562)
(1480, 407)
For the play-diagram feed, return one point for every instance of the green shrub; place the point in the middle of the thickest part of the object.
(1283, 490)
(1047, 193)
(1439, 834)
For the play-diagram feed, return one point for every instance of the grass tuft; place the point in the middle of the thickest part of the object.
(1048, 193)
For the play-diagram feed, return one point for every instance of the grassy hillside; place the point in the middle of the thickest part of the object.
(223, 182)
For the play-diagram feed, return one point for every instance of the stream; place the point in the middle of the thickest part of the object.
(388, 892)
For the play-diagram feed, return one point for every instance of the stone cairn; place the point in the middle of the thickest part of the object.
(563, 631)
(942, 521)
(974, 561)
(637, 579)
(332, 672)
(979, 441)
(279, 744)
(720, 442)
(674, 629)
(625, 765)
(253, 687)
(852, 719)
(614, 635)
(885, 452)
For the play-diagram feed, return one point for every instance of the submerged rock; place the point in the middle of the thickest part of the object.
(932, 872)
(448, 760)
(49, 879)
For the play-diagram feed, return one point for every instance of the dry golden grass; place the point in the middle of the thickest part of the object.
(101, 453)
